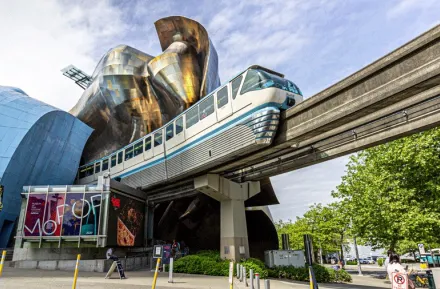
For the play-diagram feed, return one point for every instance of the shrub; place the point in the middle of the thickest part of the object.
(256, 265)
(351, 263)
(343, 276)
(214, 255)
(210, 263)
(380, 261)
(322, 274)
(206, 263)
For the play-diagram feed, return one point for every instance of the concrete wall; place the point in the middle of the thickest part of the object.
(98, 265)
(49, 254)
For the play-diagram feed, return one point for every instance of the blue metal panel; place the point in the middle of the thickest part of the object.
(39, 145)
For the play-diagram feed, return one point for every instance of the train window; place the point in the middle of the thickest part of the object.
(179, 125)
(97, 167)
(251, 81)
(138, 148)
(82, 172)
(236, 85)
(192, 116)
(120, 155)
(113, 161)
(206, 107)
(105, 165)
(222, 97)
(89, 170)
(148, 143)
(297, 88)
(169, 133)
(86, 171)
(157, 139)
(129, 153)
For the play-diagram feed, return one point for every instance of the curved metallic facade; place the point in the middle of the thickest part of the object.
(39, 145)
(133, 93)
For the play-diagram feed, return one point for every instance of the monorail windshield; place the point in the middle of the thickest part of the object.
(259, 79)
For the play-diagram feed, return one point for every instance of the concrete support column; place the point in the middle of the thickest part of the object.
(234, 244)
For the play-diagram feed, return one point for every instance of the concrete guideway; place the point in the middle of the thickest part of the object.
(30, 279)
(395, 96)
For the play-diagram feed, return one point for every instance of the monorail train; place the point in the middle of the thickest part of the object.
(237, 118)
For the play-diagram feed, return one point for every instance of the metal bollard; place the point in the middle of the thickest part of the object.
(153, 286)
(257, 281)
(267, 284)
(170, 277)
(75, 275)
(251, 278)
(164, 268)
(245, 277)
(238, 271)
(241, 273)
(2, 262)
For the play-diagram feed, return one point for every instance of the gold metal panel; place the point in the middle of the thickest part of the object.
(133, 93)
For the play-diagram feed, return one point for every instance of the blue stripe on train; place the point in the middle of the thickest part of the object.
(201, 138)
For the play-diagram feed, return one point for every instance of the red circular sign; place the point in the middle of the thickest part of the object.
(399, 279)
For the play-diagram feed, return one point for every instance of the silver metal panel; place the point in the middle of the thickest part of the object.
(148, 176)
(243, 138)
(226, 143)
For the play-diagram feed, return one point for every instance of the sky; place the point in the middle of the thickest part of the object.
(315, 43)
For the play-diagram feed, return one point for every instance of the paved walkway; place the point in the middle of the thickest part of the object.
(38, 279)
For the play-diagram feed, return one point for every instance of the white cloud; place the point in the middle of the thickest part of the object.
(39, 38)
(268, 33)
(404, 6)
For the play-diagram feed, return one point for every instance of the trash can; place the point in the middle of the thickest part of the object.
(430, 277)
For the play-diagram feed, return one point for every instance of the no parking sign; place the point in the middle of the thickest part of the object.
(400, 281)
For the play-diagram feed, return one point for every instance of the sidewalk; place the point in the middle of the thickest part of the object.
(29, 279)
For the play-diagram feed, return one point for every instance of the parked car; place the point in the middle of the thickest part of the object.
(366, 261)
(370, 260)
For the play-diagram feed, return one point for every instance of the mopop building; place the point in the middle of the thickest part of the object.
(39, 145)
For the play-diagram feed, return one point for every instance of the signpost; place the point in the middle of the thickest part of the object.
(309, 260)
(157, 251)
(400, 281)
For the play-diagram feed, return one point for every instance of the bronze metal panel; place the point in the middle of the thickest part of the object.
(133, 93)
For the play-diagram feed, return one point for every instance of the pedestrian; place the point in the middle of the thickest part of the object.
(387, 260)
(174, 248)
(110, 254)
(394, 266)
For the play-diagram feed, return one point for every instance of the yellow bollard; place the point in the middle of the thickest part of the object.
(311, 279)
(2, 262)
(75, 276)
(155, 274)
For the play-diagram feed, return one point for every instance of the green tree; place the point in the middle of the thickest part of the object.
(392, 192)
(327, 226)
(295, 230)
